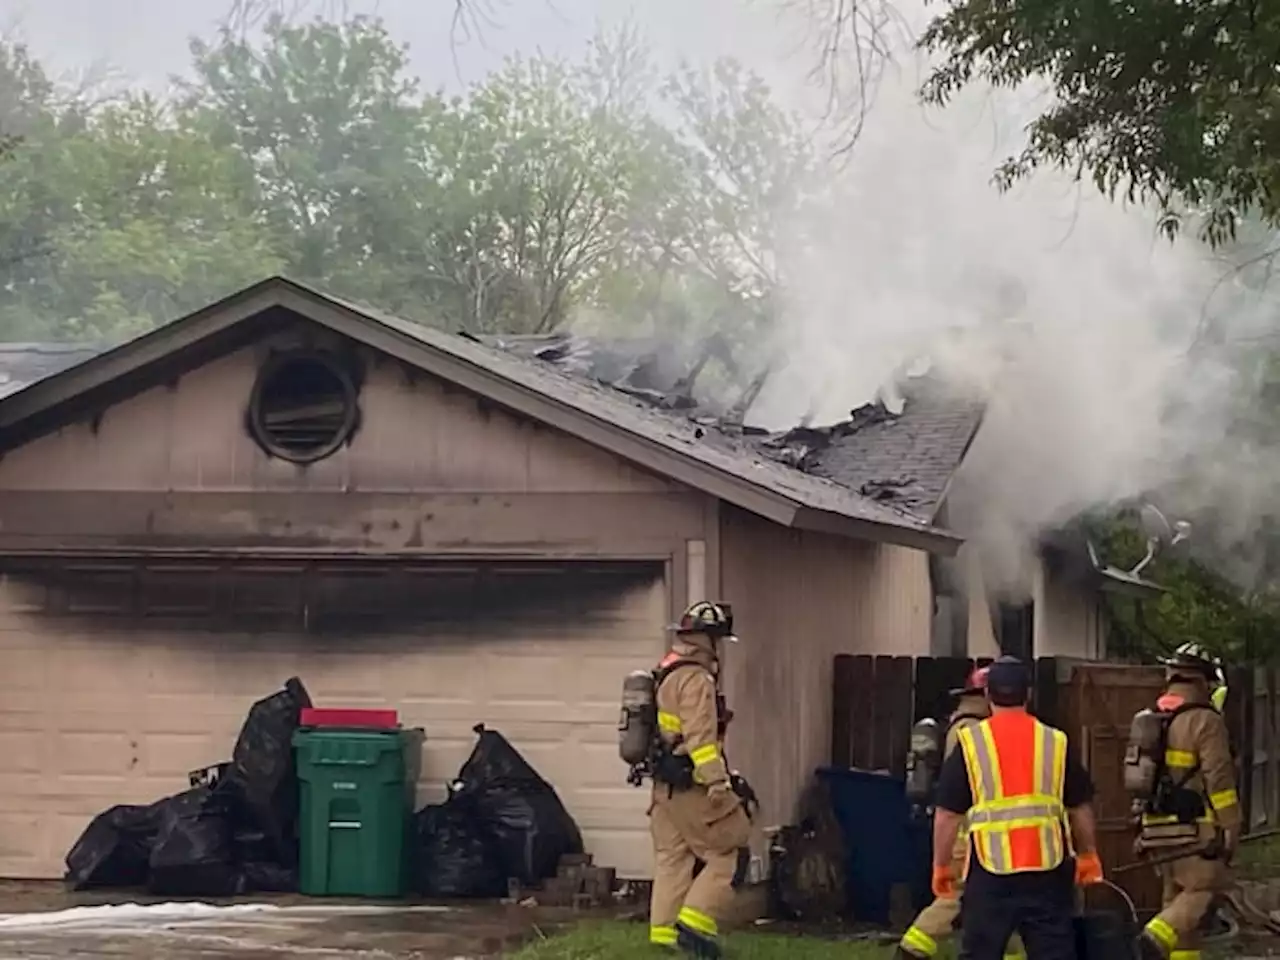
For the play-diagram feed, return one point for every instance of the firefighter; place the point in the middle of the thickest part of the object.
(695, 815)
(1193, 805)
(940, 919)
(1020, 785)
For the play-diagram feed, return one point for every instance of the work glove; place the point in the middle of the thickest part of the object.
(722, 797)
(944, 883)
(1088, 869)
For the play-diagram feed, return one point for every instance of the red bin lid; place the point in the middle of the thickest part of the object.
(349, 717)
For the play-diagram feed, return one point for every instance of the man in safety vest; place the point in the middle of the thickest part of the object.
(695, 814)
(1198, 761)
(1020, 787)
(940, 919)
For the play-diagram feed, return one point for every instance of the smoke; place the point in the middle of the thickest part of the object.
(1065, 310)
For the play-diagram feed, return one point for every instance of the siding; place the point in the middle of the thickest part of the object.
(799, 599)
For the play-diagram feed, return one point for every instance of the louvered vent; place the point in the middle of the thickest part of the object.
(303, 408)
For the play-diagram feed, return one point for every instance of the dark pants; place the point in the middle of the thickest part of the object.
(1040, 908)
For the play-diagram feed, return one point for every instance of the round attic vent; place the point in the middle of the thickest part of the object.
(303, 407)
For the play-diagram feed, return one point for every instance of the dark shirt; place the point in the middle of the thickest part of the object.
(954, 794)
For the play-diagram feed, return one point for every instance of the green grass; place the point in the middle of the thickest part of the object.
(617, 940)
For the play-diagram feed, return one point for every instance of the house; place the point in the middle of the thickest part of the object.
(287, 484)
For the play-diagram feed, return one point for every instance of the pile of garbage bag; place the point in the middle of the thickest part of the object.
(501, 822)
(233, 831)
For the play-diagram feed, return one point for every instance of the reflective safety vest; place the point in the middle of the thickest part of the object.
(1017, 770)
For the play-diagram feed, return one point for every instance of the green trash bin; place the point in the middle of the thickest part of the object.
(357, 797)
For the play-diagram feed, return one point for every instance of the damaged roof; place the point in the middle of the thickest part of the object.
(741, 468)
(904, 460)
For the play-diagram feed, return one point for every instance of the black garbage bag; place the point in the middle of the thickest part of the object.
(114, 849)
(262, 780)
(452, 856)
(253, 850)
(262, 877)
(517, 809)
(192, 854)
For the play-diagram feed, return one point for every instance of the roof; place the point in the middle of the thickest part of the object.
(22, 364)
(698, 455)
(904, 460)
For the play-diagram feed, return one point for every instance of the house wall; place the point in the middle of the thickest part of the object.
(1067, 617)
(1069, 621)
(432, 470)
(799, 599)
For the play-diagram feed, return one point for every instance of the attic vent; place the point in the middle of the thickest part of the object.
(303, 407)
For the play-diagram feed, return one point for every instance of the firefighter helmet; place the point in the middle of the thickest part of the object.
(713, 619)
(1193, 658)
(976, 682)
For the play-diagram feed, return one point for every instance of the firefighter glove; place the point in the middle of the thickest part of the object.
(944, 883)
(1088, 869)
(722, 796)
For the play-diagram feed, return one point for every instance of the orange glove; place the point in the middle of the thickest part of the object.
(944, 883)
(1088, 869)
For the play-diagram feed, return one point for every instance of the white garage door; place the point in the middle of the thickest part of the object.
(117, 680)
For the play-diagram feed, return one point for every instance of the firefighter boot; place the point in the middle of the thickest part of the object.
(696, 944)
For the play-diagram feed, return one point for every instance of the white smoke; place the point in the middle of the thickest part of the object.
(1067, 310)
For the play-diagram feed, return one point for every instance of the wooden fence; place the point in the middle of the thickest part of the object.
(877, 699)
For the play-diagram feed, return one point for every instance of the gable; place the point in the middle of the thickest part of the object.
(416, 434)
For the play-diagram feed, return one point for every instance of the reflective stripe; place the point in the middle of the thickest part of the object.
(1160, 931)
(994, 817)
(1185, 955)
(919, 942)
(1223, 799)
(664, 935)
(1161, 819)
(1179, 758)
(707, 753)
(697, 921)
(1015, 956)
(668, 722)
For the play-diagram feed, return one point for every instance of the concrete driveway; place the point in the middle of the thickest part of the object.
(275, 930)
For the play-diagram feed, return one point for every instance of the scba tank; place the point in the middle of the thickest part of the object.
(637, 726)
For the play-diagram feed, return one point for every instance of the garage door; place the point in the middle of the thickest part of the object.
(118, 679)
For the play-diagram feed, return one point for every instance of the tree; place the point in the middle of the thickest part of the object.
(1173, 102)
(1199, 604)
(146, 218)
(334, 128)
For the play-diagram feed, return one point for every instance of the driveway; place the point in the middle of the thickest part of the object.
(275, 930)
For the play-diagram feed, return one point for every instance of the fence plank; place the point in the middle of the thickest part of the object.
(842, 697)
(894, 677)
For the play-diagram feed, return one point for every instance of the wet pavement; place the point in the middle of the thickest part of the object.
(45, 923)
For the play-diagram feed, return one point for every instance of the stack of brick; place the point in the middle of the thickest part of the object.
(578, 883)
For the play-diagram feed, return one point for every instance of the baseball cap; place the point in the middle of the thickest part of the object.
(1008, 682)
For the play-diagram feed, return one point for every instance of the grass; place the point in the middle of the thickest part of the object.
(618, 940)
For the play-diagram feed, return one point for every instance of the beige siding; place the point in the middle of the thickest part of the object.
(799, 599)
(432, 470)
(1068, 620)
(416, 435)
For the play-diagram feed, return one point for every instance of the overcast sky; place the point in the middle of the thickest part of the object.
(147, 39)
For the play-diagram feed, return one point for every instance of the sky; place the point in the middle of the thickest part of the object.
(146, 40)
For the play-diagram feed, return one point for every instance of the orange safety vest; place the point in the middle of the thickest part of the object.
(1017, 768)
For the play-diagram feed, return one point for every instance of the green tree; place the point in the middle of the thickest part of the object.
(334, 128)
(145, 215)
(1174, 102)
